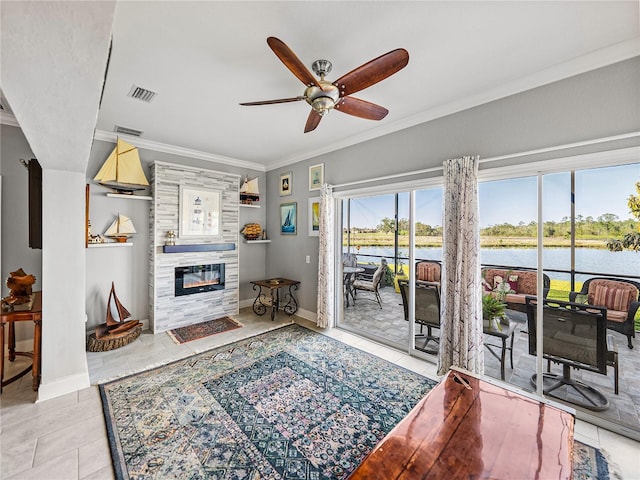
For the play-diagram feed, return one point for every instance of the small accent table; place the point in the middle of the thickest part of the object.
(263, 302)
(506, 332)
(33, 315)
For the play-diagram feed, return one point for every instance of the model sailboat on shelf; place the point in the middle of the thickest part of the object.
(122, 170)
(116, 321)
(249, 192)
(121, 229)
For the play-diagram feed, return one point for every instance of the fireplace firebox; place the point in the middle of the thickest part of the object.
(199, 278)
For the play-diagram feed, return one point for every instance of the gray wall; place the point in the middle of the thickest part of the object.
(596, 104)
(15, 215)
(129, 266)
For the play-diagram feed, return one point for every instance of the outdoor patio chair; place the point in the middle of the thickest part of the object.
(574, 336)
(618, 296)
(372, 285)
(427, 311)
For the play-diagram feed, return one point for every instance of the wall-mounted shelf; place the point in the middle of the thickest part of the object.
(129, 197)
(257, 241)
(244, 205)
(109, 244)
(198, 247)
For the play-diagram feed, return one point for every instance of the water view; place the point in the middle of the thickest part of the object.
(593, 260)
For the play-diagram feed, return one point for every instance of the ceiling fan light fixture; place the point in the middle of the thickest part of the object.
(322, 105)
(322, 98)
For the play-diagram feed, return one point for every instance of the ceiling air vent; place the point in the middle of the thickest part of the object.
(128, 131)
(141, 94)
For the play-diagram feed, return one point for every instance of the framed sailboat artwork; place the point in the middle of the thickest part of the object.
(288, 218)
(200, 212)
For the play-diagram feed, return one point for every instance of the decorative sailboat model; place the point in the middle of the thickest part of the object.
(122, 170)
(249, 192)
(121, 229)
(117, 330)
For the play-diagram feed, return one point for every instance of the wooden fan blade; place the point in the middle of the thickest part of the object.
(372, 72)
(269, 102)
(312, 121)
(361, 108)
(293, 63)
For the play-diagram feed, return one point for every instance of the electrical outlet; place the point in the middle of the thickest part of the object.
(308, 258)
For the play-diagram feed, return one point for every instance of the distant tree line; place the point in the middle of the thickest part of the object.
(605, 226)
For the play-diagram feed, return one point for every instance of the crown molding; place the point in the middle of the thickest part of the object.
(180, 151)
(8, 119)
(592, 61)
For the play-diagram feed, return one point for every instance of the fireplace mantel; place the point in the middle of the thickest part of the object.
(198, 247)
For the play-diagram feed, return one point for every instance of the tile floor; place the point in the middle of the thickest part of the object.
(65, 438)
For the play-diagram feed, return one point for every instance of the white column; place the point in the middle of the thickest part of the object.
(64, 361)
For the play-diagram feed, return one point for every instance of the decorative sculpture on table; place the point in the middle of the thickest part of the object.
(21, 294)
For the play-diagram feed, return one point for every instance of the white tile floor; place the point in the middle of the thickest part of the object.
(65, 438)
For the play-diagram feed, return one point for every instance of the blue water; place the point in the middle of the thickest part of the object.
(592, 260)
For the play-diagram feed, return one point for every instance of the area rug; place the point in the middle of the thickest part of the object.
(290, 403)
(204, 329)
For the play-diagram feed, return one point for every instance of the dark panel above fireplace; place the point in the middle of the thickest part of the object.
(198, 247)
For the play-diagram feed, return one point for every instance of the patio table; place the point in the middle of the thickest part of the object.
(349, 273)
(507, 331)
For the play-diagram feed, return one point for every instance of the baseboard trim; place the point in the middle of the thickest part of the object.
(62, 386)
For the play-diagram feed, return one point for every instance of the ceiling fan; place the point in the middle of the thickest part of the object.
(323, 95)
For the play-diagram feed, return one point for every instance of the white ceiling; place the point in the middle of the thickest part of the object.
(203, 58)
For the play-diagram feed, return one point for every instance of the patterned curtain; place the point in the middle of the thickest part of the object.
(461, 323)
(326, 261)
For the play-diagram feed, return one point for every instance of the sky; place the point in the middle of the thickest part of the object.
(598, 191)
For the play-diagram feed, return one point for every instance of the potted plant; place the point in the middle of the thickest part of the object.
(400, 275)
(493, 311)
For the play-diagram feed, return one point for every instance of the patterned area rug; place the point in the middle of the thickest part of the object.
(290, 403)
(204, 329)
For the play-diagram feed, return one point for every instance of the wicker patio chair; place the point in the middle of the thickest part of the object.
(620, 298)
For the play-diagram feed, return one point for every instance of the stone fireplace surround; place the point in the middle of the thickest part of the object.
(166, 311)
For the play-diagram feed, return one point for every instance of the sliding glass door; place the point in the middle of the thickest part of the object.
(373, 230)
(581, 212)
(577, 226)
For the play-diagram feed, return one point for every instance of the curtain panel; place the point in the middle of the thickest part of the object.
(326, 260)
(461, 324)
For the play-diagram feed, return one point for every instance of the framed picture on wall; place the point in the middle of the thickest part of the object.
(288, 218)
(316, 176)
(314, 216)
(199, 212)
(286, 187)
